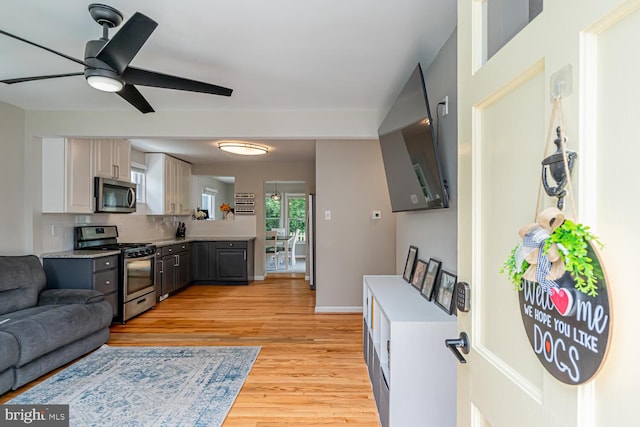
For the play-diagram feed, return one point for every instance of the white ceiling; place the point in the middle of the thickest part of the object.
(276, 55)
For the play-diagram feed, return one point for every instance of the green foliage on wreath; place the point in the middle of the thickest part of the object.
(572, 240)
(511, 269)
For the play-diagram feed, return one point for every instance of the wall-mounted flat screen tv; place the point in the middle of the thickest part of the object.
(410, 151)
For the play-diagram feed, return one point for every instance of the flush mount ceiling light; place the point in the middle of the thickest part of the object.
(243, 148)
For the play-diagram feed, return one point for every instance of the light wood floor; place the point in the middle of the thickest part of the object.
(310, 370)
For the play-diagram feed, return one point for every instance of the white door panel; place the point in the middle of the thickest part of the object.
(504, 111)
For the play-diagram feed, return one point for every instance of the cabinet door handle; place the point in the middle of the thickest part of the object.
(107, 282)
(244, 253)
(107, 263)
(161, 267)
(177, 260)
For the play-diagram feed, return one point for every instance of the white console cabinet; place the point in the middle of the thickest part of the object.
(412, 372)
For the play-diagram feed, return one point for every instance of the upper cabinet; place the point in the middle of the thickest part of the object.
(168, 185)
(67, 175)
(112, 159)
(69, 166)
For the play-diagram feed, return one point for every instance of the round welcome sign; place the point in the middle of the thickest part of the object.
(567, 329)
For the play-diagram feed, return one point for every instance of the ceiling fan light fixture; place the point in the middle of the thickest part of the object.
(243, 148)
(105, 83)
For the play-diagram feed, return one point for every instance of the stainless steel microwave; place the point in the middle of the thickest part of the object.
(114, 196)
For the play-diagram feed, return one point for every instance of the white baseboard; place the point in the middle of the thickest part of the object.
(338, 309)
(258, 277)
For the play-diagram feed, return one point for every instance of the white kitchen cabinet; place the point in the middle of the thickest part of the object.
(413, 375)
(184, 188)
(67, 175)
(168, 185)
(112, 159)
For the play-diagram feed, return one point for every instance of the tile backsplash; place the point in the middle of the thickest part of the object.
(57, 229)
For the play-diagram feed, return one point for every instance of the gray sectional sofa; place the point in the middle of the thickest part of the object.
(41, 330)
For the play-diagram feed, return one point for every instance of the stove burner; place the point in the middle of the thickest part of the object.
(121, 246)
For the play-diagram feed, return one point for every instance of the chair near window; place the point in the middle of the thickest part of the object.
(291, 244)
(273, 248)
(281, 231)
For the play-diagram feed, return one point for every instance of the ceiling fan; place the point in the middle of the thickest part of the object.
(106, 62)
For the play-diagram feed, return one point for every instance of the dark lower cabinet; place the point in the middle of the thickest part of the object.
(100, 273)
(227, 262)
(173, 268)
(204, 261)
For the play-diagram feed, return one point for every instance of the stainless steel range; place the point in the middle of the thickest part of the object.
(136, 266)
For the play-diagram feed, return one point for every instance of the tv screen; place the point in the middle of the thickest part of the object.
(410, 152)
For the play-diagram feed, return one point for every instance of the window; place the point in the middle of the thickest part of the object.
(138, 177)
(273, 212)
(297, 215)
(209, 201)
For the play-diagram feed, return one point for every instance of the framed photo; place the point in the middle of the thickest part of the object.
(411, 261)
(433, 268)
(418, 274)
(445, 290)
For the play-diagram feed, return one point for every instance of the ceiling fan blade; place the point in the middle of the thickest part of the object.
(126, 43)
(70, 58)
(151, 78)
(29, 79)
(130, 94)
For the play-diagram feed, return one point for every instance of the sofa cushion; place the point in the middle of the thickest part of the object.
(56, 326)
(69, 296)
(9, 353)
(21, 280)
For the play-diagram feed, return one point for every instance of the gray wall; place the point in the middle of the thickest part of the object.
(434, 232)
(350, 182)
(14, 213)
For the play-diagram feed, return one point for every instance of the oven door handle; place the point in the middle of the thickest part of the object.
(142, 258)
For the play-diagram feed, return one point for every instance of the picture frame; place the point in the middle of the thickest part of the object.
(419, 274)
(430, 278)
(445, 291)
(412, 255)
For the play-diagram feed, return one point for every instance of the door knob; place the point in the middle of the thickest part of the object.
(462, 342)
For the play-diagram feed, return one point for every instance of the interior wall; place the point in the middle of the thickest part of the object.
(350, 184)
(13, 220)
(434, 232)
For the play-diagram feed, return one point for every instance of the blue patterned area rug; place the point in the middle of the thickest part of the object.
(148, 386)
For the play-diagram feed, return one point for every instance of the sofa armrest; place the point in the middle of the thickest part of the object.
(69, 296)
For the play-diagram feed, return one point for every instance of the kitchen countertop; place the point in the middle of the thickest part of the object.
(161, 243)
(87, 253)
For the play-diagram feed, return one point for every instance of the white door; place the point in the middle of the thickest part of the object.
(504, 109)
